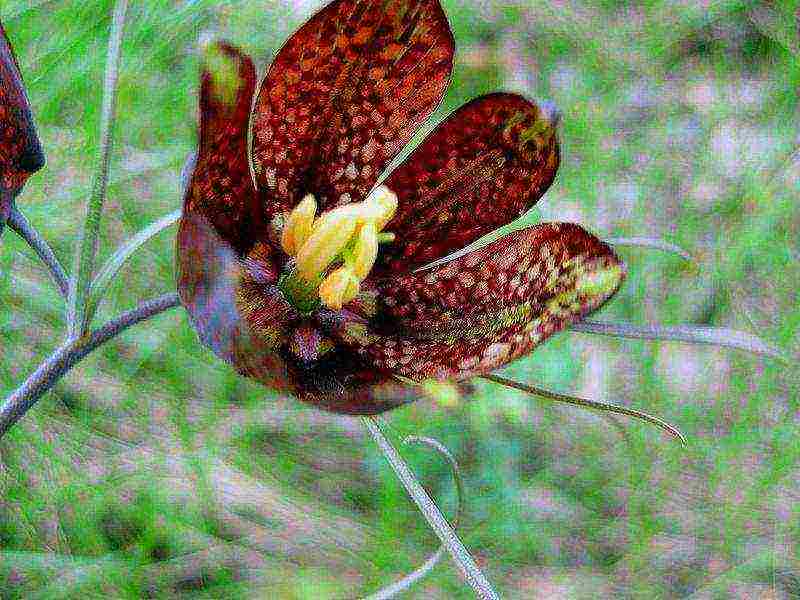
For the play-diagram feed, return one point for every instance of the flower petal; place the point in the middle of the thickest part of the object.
(239, 314)
(209, 275)
(221, 187)
(344, 95)
(486, 165)
(482, 310)
(20, 151)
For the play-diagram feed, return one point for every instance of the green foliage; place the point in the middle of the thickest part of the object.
(154, 470)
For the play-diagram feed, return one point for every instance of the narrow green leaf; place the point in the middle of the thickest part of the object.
(690, 334)
(652, 244)
(590, 404)
(87, 245)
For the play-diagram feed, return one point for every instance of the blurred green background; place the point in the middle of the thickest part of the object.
(153, 471)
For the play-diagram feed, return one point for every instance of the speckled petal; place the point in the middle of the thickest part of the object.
(216, 230)
(20, 151)
(221, 187)
(482, 310)
(343, 97)
(483, 167)
(228, 273)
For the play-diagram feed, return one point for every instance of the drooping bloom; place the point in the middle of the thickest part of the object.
(20, 151)
(301, 271)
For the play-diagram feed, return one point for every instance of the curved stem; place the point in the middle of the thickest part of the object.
(406, 582)
(584, 403)
(87, 246)
(113, 265)
(71, 353)
(470, 571)
(22, 227)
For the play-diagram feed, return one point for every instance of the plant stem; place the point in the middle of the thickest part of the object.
(402, 585)
(470, 571)
(87, 245)
(71, 353)
(22, 227)
(113, 265)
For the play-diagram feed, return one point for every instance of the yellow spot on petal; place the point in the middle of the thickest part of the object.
(224, 72)
(600, 282)
(445, 393)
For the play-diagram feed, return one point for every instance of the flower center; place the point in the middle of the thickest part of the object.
(335, 252)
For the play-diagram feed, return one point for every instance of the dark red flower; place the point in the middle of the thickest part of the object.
(20, 152)
(274, 260)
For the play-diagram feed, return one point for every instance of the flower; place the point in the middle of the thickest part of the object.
(20, 151)
(300, 271)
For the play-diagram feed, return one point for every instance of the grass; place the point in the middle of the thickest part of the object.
(152, 470)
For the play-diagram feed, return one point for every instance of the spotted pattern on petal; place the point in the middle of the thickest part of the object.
(343, 97)
(483, 167)
(482, 310)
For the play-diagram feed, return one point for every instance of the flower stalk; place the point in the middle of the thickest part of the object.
(77, 314)
(467, 566)
(22, 227)
(71, 353)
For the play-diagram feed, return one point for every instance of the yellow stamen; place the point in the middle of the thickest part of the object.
(365, 251)
(339, 288)
(328, 238)
(382, 204)
(347, 236)
(298, 225)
